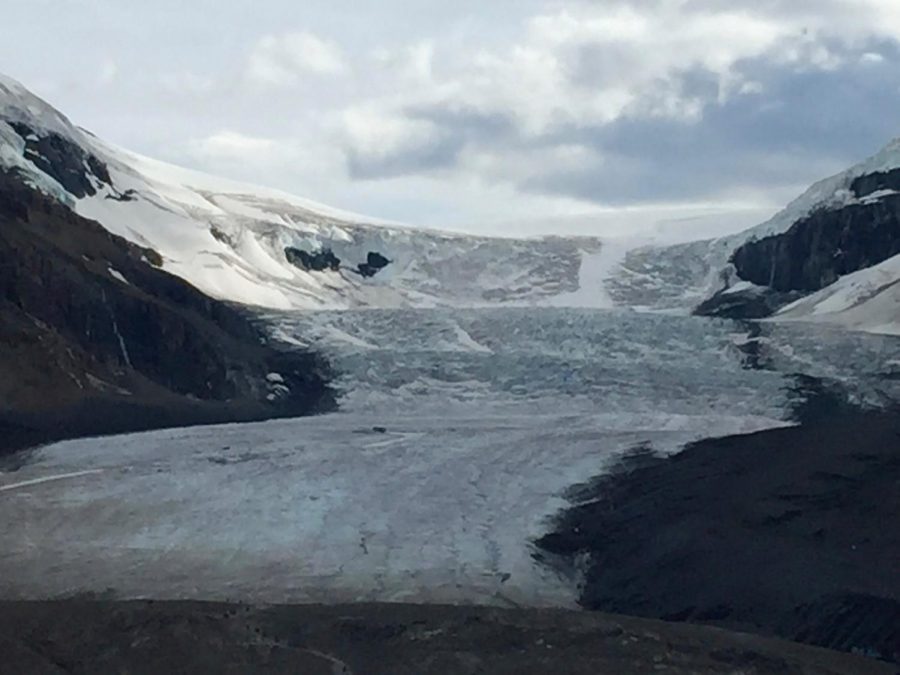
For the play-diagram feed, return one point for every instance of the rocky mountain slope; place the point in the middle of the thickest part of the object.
(96, 339)
(831, 251)
(829, 256)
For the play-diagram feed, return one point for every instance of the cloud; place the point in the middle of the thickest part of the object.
(230, 146)
(108, 72)
(281, 60)
(635, 102)
(797, 124)
(451, 112)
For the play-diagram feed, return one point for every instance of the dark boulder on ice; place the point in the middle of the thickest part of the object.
(375, 262)
(319, 261)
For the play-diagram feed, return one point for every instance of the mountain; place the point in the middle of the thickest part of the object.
(831, 256)
(95, 338)
(260, 246)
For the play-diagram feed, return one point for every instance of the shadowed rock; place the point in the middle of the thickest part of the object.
(313, 262)
(83, 636)
(62, 160)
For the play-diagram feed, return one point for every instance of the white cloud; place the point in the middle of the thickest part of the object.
(230, 146)
(871, 57)
(187, 82)
(108, 72)
(376, 133)
(281, 60)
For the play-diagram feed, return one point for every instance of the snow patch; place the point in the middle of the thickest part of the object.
(117, 275)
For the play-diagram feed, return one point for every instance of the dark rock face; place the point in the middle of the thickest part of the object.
(375, 262)
(63, 161)
(127, 196)
(814, 253)
(754, 303)
(866, 625)
(326, 260)
(873, 182)
(824, 246)
(75, 337)
(313, 262)
(218, 235)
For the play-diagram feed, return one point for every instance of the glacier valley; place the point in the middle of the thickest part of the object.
(458, 435)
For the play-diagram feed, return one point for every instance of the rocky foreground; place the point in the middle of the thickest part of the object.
(77, 636)
(787, 532)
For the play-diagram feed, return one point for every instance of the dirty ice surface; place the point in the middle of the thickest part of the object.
(488, 416)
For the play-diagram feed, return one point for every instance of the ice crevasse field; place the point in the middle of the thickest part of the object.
(458, 434)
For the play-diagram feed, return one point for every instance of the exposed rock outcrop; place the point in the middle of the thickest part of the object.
(814, 252)
(325, 260)
(822, 247)
(875, 182)
(73, 168)
(752, 302)
(313, 262)
(375, 262)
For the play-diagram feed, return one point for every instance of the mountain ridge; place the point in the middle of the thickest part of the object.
(232, 241)
(229, 239)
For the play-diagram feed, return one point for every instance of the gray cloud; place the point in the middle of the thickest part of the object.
(793, 124)
(801, 123)
(434, 154)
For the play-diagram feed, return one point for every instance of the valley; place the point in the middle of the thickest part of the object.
(214, 392)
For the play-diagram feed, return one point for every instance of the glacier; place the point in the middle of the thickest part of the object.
(458, 435)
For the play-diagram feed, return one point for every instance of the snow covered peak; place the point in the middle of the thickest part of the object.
(832, 192)
(18, 104)
(265, 247)
(254, 245)
(681, 278)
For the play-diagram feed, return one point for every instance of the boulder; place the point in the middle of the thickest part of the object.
(319, 261)
(375, 262)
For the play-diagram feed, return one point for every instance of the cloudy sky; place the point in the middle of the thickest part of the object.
(505, 116)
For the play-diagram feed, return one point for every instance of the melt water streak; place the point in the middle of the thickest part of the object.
(488, 416)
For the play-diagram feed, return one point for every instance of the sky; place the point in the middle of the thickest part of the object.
(510, 117)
